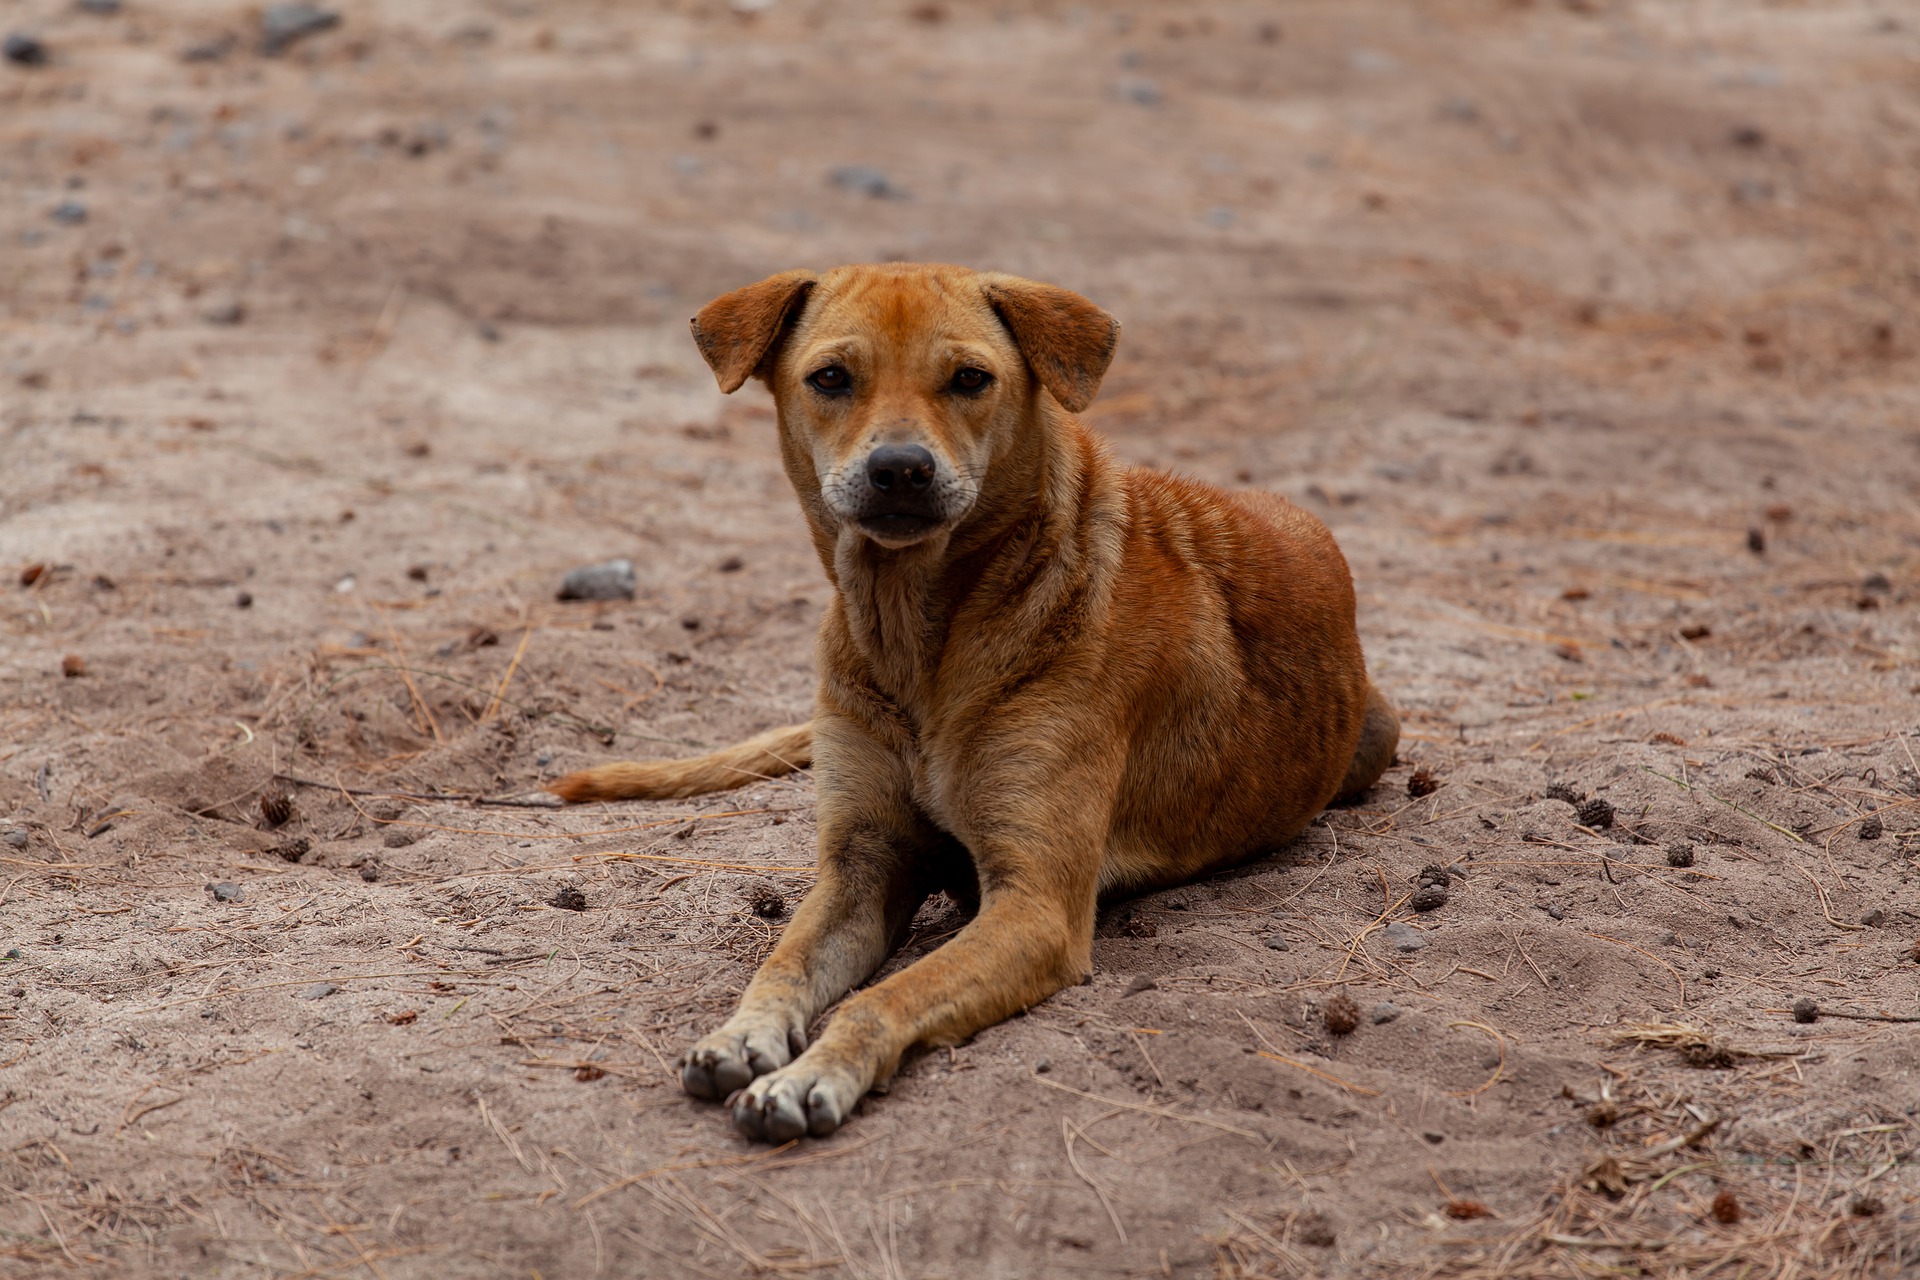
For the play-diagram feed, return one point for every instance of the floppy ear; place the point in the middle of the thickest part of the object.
(1066, 340)
(737, 331)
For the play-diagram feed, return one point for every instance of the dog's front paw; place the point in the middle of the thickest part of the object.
(730, 1058)
(794, 1101)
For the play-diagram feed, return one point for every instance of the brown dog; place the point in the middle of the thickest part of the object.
(1044, 678)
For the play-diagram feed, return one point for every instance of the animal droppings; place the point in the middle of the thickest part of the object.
(1596, 813)
(1341, 1015)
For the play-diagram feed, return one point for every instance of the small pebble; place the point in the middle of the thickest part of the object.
(244, 600)
(225, 313)
(318, 991)
(1404, 936)
(1596, 813)
(611, 580)
(69, 213)
(866, 180)
(1384, 1012)
(369, 871)
(283, 24)
(568, 899)
(1141, 982)
(1874, 918)
(1276, 943)
(100, 8)
(227, 891)
(17, 837)
(1042, 1065)
(24, 50)
(1680, 855)
(1805, 1011)
(1557, 912)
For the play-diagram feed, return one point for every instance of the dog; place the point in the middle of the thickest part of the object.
(1045, 679)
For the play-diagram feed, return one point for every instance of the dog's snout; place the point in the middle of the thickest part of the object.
(899, 469)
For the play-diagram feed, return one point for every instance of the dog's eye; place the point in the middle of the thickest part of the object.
(971, 380)
(830, 379)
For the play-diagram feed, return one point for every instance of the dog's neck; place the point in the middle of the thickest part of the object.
(1023, 533)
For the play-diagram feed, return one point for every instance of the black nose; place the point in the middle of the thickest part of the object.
(900, 468)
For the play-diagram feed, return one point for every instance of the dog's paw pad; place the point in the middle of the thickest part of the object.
(728, 1061)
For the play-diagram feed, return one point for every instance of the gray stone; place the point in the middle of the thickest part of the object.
(1384, 1012)
(318, 991)
(283, 24)
(1404, 936)
(612, 580)
(866, 180)
(69, 213)
(24, 50)
(227, 891)
(17, 837)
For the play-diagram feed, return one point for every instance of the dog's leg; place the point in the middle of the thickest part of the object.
(1033, 935)
(1379, 737)
(873, 844)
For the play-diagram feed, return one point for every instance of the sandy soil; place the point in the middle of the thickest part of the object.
(1587, 326)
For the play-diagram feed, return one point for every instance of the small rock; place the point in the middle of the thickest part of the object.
(1404, 936)
(1141, 982)
(1563, 793)
(17, 837)
(1042, 1065)
(568, 899)
(1430, 897)
(318, 991)
(244, 600)
(1384, 1012)
(1871, 828)
(863, 179)
(1276, 943)
(208, 50)
(227, 891)
(1679, 855)
(400, 837)
(100, 8)
(225, 313)
(370, 871)
(1805, 1011)
(24, 50)
(1874, 918)
(611, 580)
(732, 564)
(73, 666)
(1596, 813)
(1557, 912)
(1877, 584)
(69, 213)
(283, 24)
(1140, 91)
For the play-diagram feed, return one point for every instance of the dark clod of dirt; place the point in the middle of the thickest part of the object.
(1422, 783)
(226, 891)
(293, 850)
(587, 1073)
(1877, 584)
(284, 24)
(418, 572)
(225, 313)
(770, 906)
(1341, 1015)
(1141, 982)
(244, 600)
(1757, 540)
(73, 666)
(24, 50)
(1726, 1208)
(732, 564)
(1315, 1231)
(370, 872)
(1596, 813)
(1430, 897)
(1805, 1011)
(1042, 1065)
(1563, 793)
(1867, 1207)
(1747, 135)
(611, 580)
(569, 899)
(276, 808)
(1872, 828)
(1679, 855)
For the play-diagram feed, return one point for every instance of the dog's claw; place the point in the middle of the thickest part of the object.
(727, 1061)
(792, 1103)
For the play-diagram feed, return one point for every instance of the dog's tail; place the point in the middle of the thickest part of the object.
(1379, 736)
(766, 755)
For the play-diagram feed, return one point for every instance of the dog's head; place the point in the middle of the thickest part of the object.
(903, 386)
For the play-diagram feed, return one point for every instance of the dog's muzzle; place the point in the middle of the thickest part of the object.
(902, 496)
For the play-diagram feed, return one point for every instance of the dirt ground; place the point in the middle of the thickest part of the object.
(1589, 328)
